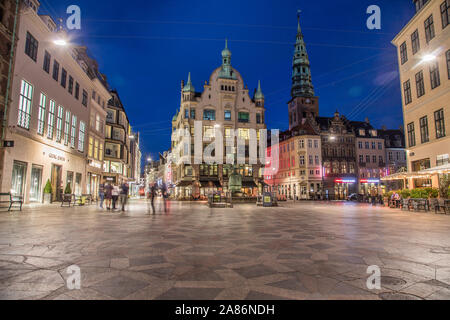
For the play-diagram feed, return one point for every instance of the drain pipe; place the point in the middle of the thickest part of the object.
(8, 85)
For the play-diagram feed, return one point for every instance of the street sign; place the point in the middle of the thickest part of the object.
(8, 144)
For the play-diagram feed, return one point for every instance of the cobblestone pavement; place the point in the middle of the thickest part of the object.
(297, 251)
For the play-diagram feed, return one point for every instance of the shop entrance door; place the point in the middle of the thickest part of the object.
(56, 182)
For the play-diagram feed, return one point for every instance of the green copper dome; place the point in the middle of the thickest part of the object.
(189, 87)
(226, 52)
(175, 116)
(258, 94)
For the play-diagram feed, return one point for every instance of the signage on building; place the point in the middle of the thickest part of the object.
(8, 144)
(370, 180)
(349, 181)
(95, 164)
(56, 157)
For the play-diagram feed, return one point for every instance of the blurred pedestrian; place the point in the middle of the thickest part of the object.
(108, 195)
(124, 188)
(101, 193)
(115, 196)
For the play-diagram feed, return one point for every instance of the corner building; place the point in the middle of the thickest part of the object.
(224, 104)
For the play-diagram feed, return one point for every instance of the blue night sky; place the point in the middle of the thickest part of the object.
(148, 47)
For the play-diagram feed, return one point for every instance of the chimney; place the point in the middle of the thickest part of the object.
(367, 120)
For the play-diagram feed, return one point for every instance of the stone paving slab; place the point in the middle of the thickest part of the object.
(306, 250)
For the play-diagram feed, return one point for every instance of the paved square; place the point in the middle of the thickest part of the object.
(307, 250)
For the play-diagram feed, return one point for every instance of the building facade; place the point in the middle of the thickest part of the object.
(371, 158)
(424, 63)
(48, 118)
(224, 105)
(9, 20)
(299, 174)
(116, 165)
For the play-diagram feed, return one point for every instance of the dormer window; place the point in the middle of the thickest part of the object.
(362, 132)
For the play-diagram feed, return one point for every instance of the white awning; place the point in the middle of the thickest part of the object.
(437, 170)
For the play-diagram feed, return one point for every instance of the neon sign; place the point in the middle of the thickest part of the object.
(370, 180)
(345, 181)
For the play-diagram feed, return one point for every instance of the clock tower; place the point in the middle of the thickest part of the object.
(304, 104)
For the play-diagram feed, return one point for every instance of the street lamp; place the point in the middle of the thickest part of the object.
(428, 57)
(60, 42)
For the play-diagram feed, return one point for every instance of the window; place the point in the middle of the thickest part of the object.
(81, 136)
(407, 92)
(301, 144)
(420, 87)
(70, 85)
(368, 159)
(67, 128)
(73, 131)
(41, 115)
(429, 28)
(445, 13)
(317, 162)
(403, 53)
(447, 54)
(209, 114)
(186, 113)
(100, 152)
(310, 158)
(227, 115)
(380, 146)
(31, 47)
(424, 136)
(26, 94)
(77, 91)
(374, 145)
(51, 119)
(310, 144)
(55, 70)
(411, 135)
(96, 149)
(415, 42)
(98, 123)
(63, 78)
(208, 132)
(434, 75)
(244, 134)
(59, 122)
(367, 145)
(442, 159)
(84, 101)
(243, 117)
(360, 145)
(91, 147)
(361, 158)
(47, 59)
(192, 113)
(380, 160)
(258, 118)
(439, 123)
(374, 159)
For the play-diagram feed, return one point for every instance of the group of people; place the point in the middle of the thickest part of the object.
(111, 193)
(153, 193)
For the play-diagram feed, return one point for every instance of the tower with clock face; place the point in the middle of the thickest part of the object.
(304, 104)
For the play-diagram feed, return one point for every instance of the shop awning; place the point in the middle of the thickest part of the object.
(437, 170)
(249, 184)
(405, 175)
(210, 184)
(184, 184)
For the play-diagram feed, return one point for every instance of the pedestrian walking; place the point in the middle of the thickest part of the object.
(115, 196)
(164, 195)
(124, 194)
(101, 193)
(108, 195)
(152, 197)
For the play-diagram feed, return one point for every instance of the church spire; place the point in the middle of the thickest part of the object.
(301, 69)
(189, 87)
(227, 70)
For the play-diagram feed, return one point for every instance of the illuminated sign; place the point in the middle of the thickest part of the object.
(56, 157)
(370, 180)
(345, 181)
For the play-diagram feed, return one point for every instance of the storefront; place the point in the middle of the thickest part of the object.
(94, 173)
(369, 187)
(28, 168)
(343, 188)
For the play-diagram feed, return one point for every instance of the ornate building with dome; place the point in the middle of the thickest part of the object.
(223, 104)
